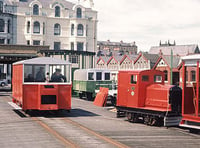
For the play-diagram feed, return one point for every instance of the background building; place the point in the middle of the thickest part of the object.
(8, 23)
(108, 48)
(57, 23)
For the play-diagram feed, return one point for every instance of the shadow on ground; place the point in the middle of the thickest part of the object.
(55, 114)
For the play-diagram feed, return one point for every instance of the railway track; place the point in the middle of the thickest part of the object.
(44, 118)
(67, 142)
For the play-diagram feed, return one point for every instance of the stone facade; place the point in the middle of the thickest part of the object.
(59, 24)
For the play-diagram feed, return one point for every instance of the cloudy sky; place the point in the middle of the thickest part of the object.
(148, 21)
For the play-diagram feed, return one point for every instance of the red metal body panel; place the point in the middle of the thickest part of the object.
(157, 99)
(143, 94)
(32, 96)
(17, 81)
(101, 97)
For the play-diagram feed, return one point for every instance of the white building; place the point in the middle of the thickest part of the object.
(58, 23)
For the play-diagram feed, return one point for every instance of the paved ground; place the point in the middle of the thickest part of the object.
(22, 131)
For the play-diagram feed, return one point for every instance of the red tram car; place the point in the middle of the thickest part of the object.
(42, 83)
(143, 96)
(191, 93)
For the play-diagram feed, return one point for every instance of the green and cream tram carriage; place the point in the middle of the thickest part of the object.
(88, 81)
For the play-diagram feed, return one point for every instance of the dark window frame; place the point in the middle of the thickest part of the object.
(36, 27)
(79, 13)
(35, 9)
(57, 11)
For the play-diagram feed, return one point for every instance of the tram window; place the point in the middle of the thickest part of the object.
(157, 78)
(59, 73)
(107, 76)
(98, 76)
(145, 78)
(133, 79)
(90, 76)
(34, 73)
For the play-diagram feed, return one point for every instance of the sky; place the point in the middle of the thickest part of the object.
(148, 21)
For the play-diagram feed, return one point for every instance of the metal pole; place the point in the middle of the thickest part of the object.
(171, 69)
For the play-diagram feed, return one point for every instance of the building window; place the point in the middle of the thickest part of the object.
(36, 27)
(28, 42)
(2, 25)
(79, 46)
(78, 13)
(57, 11)
(87, 46)
(80, 30)
(2, 41)
(193, 75)
(56, 45)
(8, 41)
(8, 26)
(74, 59)
(57, 29)
(86, 30)
(28, 26)
(166, 75)
(72, 29)
(36, 42)
(98, 76)
(35, 9)
(1, 7)
(43, 28)
(72, 45)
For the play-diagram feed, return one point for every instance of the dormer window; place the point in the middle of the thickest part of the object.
(79, 13)
(57, 11)
(35, 9)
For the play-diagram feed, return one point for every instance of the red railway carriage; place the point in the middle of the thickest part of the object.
(142, 95)
(191, 93)
(42, 83)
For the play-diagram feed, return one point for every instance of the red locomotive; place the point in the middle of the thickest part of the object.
(143, 96)
(42, 83)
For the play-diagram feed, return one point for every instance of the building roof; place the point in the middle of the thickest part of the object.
(108, 43)
(104, 58)
(43, 60)
(116, 58)
(133, 57)
(176, 60)
(150, 57)
(46, 3)
(180, 50)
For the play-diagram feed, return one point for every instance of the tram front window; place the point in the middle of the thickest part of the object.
(59, 73)
(47, 73)
(34, 73)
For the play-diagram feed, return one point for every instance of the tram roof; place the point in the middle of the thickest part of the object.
(43, 60)
(191, 60)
